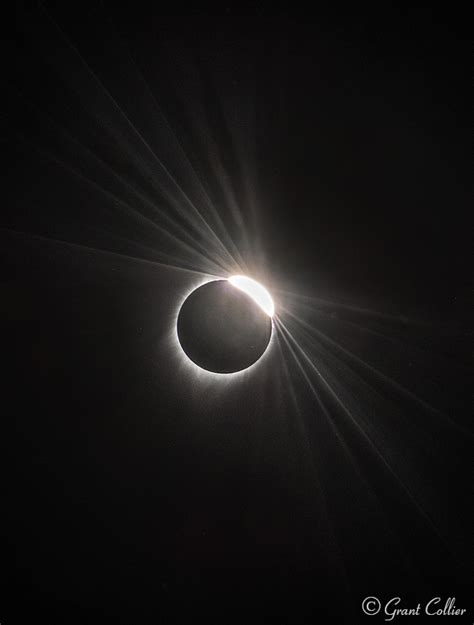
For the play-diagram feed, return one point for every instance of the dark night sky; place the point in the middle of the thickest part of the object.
(335, 148)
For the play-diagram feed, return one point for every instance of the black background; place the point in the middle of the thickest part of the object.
(137, 493)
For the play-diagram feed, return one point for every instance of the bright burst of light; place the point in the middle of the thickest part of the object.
(256, 291)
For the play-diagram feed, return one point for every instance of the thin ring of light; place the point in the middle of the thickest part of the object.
(254, 290)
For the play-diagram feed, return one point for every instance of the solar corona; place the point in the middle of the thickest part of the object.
(225, 325)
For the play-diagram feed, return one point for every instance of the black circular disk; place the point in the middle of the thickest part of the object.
(222, 329)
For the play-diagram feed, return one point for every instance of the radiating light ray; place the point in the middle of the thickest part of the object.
(184, 214)
(334, 368)
(97, 250)
(394, 339)
(381, 376)
(347, 451)
(315, 303)
(212, 149)
(124, 206)
(119, 179)
(226, 181)
(314, 368)
(192, 171)
(310, 455)
(317, 397)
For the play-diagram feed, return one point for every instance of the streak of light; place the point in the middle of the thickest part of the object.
(168, 175)
(124, 206)
(310, 329)
(332, 424)
(315, 370)
(96, 250)
(192, 171)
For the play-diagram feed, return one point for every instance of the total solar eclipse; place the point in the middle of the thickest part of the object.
(225, 326)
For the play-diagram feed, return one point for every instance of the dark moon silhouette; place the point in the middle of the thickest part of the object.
(222, 329)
